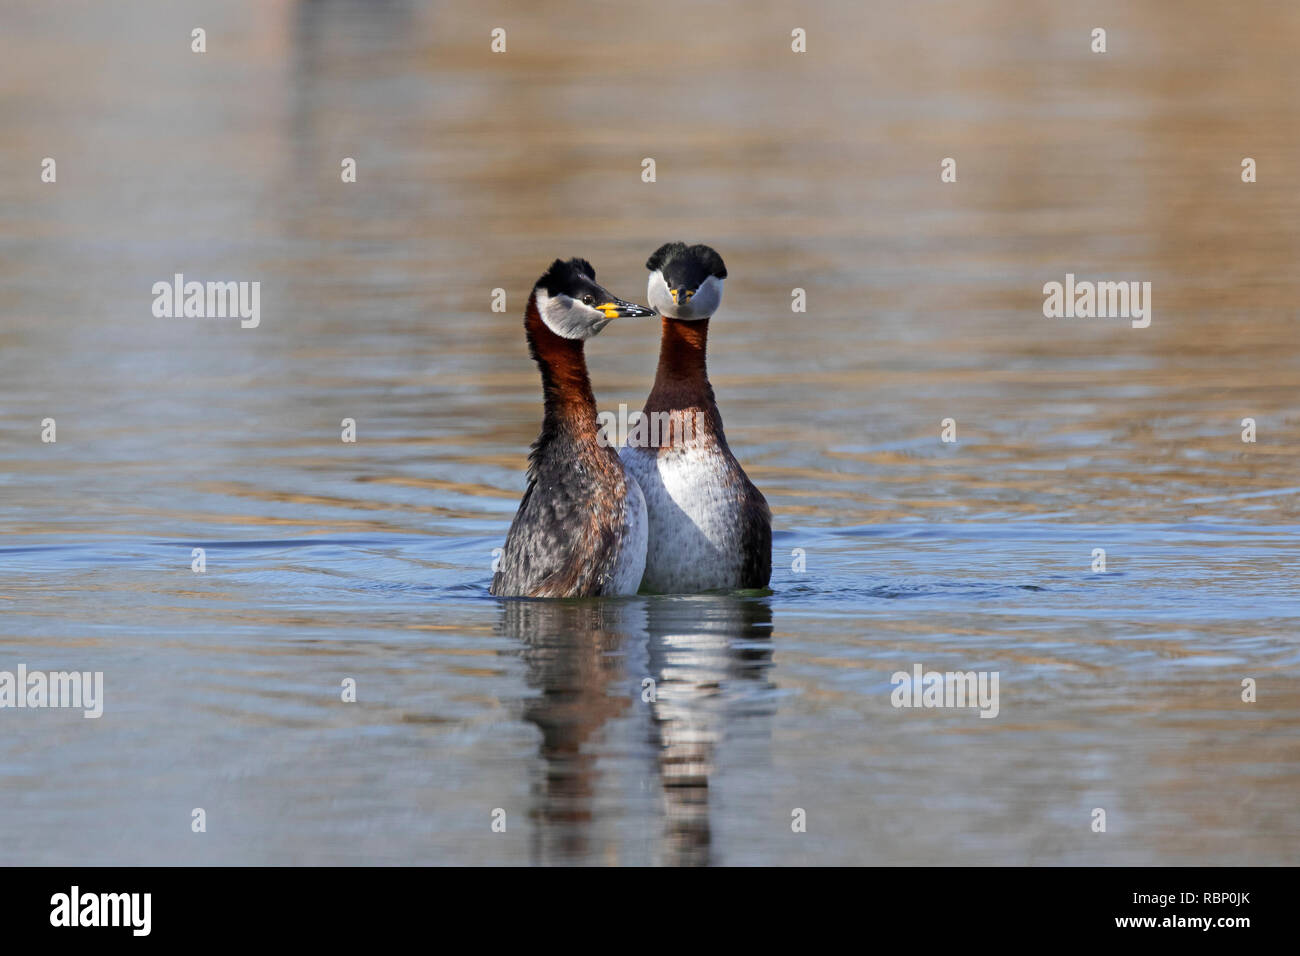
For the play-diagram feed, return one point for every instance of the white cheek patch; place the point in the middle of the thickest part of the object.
(702, 305)
(555, 312)
(568, 318)
(659, 297)
(707, 297)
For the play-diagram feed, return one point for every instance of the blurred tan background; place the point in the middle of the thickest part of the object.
(816, 170)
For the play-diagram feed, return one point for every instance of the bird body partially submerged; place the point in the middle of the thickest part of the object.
(581, 527)
(710, 527)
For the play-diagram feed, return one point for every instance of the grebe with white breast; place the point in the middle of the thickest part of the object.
(710, 528)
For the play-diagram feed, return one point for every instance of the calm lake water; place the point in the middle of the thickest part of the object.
(326, 561)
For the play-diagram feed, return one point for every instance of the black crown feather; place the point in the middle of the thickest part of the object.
(563, 276)
(698, 259)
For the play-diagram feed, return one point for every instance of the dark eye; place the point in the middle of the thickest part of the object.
(588, 300)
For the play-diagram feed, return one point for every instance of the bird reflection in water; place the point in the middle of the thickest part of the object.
(574, 654)
(708, 657)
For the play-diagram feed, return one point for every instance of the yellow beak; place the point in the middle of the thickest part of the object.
(617, 308)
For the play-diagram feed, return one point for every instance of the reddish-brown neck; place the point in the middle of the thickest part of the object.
(566, 389)
(682, 380)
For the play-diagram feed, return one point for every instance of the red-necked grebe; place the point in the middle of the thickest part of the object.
(710, 528)
(581, 528)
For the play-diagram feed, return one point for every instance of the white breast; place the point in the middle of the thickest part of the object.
(629, 564)
(694, 517)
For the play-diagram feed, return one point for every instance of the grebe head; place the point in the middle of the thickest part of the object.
(685, 281)
(574, 305)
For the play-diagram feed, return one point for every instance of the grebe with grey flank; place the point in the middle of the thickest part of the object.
(581, 527)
